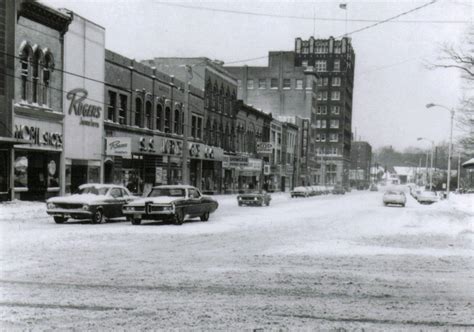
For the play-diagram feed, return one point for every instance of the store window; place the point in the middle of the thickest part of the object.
(20, 170)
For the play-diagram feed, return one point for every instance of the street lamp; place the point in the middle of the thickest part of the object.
(431, 162)
(451, 110)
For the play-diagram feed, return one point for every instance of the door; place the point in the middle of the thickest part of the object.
(194, 202)
(115, 202)
(37, 176)
(78, 176)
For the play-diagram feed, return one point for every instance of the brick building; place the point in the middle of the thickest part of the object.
(333, 60)
(283, 89)
(361, 159)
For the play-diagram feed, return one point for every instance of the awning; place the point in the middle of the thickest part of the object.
(8, 142)
(469, 163)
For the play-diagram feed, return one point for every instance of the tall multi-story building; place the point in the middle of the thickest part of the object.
(333, 60)
(361, 158)
(282, 89)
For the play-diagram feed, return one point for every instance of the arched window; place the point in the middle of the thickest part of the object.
(227, 138)
(37, 62)
(138, 112)
(167, 120)
(214, 133)
(215, 97)
(148, 123)
(159, 116)
(208, 132)
(177, 127)
(221, 99)
(26, 54)
(48, 67)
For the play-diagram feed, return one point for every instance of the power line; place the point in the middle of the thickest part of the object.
(326, 19)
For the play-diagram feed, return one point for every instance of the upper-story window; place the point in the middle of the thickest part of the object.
(299, 84)
(286, 83)
(336, 81)
(321, 48)
(274, 83)
(250, 84)
(148, 112)
(35, 79)
(167, 127)
(177, 126)
(262, 83)
(321, 65)
(123, 109)
(239, 83)
(304, 63)
(112, 105)
(335, 95)
(337, 65)
(334, 124)
(335, 110)
(48, 66)
(159, 117)
(337, 49)
(138, 112)
(25, 58)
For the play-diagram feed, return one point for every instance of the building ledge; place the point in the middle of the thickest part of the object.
(36, 111)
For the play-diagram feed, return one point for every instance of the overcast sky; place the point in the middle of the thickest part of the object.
(392, 82)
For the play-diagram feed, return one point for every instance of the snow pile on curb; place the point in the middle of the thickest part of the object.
(464, 203)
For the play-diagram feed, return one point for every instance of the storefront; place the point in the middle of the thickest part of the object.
(36, 166)
(83, 103)
(246, 172)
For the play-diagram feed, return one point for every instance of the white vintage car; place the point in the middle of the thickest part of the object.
(172, 202)
(93, 201)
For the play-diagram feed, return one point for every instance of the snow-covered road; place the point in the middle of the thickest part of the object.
(320, 262)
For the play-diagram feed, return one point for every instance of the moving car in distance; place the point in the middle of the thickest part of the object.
(338, 190)
(254, 199)
(394, 197)
(172, 202)
(299, 192)
(426, 197)
(93, 201)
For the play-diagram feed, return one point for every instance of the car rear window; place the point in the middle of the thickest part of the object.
(173, 192)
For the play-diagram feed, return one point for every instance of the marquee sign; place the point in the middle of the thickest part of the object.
(264, 147)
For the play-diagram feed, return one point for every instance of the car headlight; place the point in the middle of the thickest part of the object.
(128, 208)
(167, 208)
(255, 198)
(50, 205)
(85, 207)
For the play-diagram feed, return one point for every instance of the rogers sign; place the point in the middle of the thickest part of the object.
(77, 97)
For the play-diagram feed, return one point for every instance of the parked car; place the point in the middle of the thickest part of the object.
(394, 197)
(299, 192)
(373, 187)
(174, 202)
(254, 199)
(338, 190)
(427, 197)
(97, 202)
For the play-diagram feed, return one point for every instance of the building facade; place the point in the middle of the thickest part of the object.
(284, 90)
(334, 61)
(361, 159)
(37, 107)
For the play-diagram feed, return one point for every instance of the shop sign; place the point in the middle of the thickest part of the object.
(202, 151)
(235, 161)
(266, 169)
(79, 108)
(159, 175)
(33, 134)
(253, 165)
(147, 145)
(118, 146)
(264, 147)
(172, 147)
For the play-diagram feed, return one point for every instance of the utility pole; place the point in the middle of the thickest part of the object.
(185, 172)
(459, 170)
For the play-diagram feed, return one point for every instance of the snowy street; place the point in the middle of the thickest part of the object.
(318, 262)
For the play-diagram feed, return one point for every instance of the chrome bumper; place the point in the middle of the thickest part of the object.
(68, 212)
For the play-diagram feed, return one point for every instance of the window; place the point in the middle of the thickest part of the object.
(337, 49)
(304, 63)
(123, 109)
(274, 83)
(335, 110)
(322, 109)
(325, 81)
(333, 137)
(299, 84)
(25, 69)
(111, 106)
(324, 95)
(321, 65)
(334, 123)
(337, 65)
(336, 81)
(199, 128)
(138, 112)
(196, 126)
(262, 83)
(47, 69)
(36, 73)
(323, 137)
(250, 84)
(321, 48)
(286, 83)
(159, 117)
(318, 123)
(335, 95)
(177, 127)
(148, 115)
(167, 128)
(318, 137)
(239, 83)
(319, 81)
(323, 123)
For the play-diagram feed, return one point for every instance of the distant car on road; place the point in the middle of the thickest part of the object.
(170, 203)
(338, 190)
(426, 197)
(373, 187)
(254, 199)
(97, 202)
(300, 192)
(394, 197)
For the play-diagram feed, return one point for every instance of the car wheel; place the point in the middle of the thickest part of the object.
(136, 221)
(178, 217)
(98, 217)
(59, 220)
(205, 216)
(403, 205)
(267, 203)
(240, 204)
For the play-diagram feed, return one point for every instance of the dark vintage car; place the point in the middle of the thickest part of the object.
(173, 203)
(254, 199)
(96, 202)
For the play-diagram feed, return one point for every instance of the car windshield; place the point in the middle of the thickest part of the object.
(429, 193)
(173, 192)
(92, 190)
(393, 193)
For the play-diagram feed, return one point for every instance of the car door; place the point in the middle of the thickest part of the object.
(116, 202)
(193, 202)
